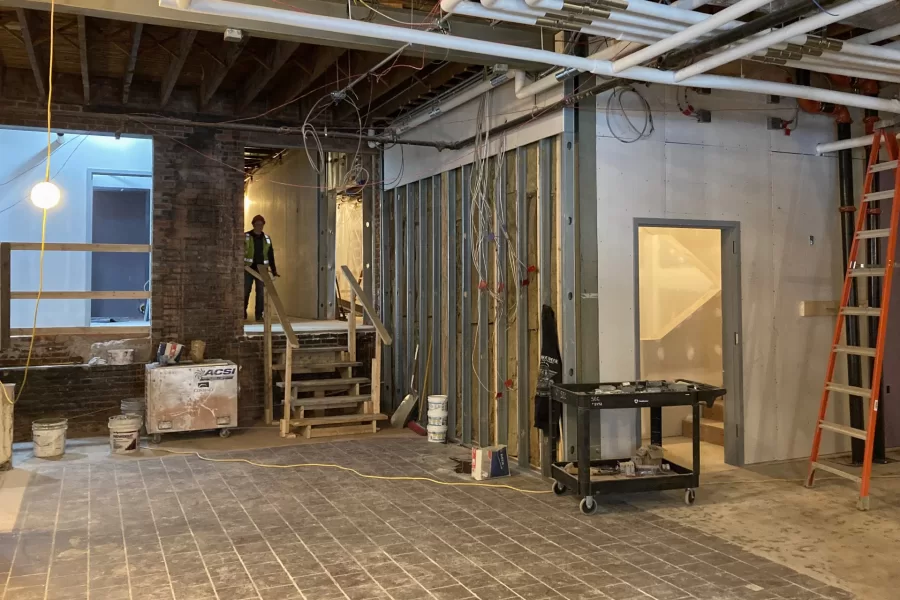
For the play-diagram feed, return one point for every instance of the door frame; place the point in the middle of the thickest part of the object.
(732, 333)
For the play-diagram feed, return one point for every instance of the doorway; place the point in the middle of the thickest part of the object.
(688, 327)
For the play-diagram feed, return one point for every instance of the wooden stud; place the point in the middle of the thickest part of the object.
(26, 24)
(83, 57)
(267, 340)
(4, 295)
(132, 60)
(215, 78)
(185, 41)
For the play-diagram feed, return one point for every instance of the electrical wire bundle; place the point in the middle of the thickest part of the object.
(616, 96)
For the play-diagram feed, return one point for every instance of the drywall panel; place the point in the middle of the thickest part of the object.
(284, 193)
(404, 164)
(780, 193)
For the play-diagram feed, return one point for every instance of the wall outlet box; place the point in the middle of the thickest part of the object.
(489, 462)
(233, 35)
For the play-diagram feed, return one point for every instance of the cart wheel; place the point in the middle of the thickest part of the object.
(559, 489)
(156, 438)
(224, 433)
(689, 496)
(588, 506)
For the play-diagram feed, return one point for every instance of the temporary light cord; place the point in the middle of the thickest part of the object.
(354, 471)
(37, 301)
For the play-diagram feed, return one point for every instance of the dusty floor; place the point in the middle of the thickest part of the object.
(169, 526)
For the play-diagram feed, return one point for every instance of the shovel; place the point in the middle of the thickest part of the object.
(400, 416)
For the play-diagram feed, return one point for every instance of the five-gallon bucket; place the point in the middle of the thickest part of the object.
(437, 433)
(437, 403)
(124, 433)
(49, 437)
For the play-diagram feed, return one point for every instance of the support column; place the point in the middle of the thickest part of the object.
(467, 393)
(523, 377)
(401, 359)
(437, 363)
(424, 298)
(501, 319)
(568, 241)
(368, 233)
(450, 316)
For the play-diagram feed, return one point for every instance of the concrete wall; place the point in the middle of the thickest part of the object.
(785, 199)
(284, 192)
(20, 221)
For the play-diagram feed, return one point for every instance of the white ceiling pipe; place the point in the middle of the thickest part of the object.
(842, 69)
(473, 9)
(870, 51)
(644, 21)
(877, 35)
(690, 34)
(834, 14)
(874, 64)
(689, 4)
(517, 7)
(404, 35)
(860, 142)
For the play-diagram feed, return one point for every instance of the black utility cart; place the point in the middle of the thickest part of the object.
(656, 395)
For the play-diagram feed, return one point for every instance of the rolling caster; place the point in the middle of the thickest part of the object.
(559, 489)
(224, 433)
(588, 506)
(155, 438)
(689, 496)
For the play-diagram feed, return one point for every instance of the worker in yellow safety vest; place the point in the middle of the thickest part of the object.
(258, 253)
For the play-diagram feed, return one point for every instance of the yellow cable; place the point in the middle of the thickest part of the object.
(37, 301)
(354, 471)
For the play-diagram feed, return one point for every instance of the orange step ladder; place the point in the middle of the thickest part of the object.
(856, 269)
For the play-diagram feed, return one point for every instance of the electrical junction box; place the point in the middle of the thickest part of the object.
(233, 35)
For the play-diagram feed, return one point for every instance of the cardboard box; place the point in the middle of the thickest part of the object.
(490, 462)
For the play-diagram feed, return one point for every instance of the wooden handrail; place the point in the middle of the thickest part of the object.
(275, 302)
(383, 333)
(75, 247)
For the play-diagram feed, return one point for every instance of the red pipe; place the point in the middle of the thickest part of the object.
(838, 111)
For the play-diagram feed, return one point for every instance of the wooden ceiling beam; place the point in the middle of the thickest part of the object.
(422, 85)
(324, 57)
(27, 27)
(228, 56)
(83, 57)
(132, 60)
(185, 41)
(389, 78)
(278, 55)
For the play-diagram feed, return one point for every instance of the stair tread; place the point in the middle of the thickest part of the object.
(329, 401)
(306, 350)
(325, 383)
(325, 365)
(339, 419)
(859, 434)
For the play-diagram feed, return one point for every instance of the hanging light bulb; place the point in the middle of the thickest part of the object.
(45, 195)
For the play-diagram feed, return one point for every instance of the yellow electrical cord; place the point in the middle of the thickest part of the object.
(354, 471)
(37, 301)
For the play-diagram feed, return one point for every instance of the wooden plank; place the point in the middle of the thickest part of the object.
(107, 330)
(26, 26)
(269, 367)
(338, 419)
(367, 304)
(4, 295)
(319, 367)
(312, 384)
(374, 407)
(278, 55)
(185, 41)
(66, 247)
(80, 295)
(314, 432)
(818, 308)
(286, 416)
(282, 315)
(211, 83)
(331, 401)
(132, 61)
(83, 57)
(351, 327)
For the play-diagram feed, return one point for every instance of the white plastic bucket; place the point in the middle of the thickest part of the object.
(437, 402)
(437, 433)
(438, 418)
(49, 437)
(124, 433)
(120, 356)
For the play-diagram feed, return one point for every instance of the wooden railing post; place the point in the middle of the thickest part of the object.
(351, 327)
(267, 341)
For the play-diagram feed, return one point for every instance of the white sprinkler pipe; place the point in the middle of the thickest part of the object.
(690, 34)
(860, 142)
(877, 35)
(403, 35)
(822, 19)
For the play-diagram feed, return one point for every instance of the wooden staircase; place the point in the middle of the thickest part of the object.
(322, 397)
(712, 424)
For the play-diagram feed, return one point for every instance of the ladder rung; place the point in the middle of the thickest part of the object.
(836, 471)
(848, 389)
(868, 234)
(857, 350)
(859, 434)
(875, 196)
(884, 166)
(867, 272)
(856, 311)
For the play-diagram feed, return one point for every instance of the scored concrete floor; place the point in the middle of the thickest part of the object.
(177, 527)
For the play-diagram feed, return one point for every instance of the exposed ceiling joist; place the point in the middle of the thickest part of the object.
(324, 57)
(383, 82)
(278, 55)
(83, 58)
(227, 57)
(132, 60)
(27, 27)
(185, 41)
(149, 11)
(422, 85)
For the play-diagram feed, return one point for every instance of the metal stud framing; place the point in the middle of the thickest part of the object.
(483, 329)
(410, 246)
(400, 377)
(568, 261)
(368, 209)
(322, 199)
(522, 376)
(385, 261)
(423, 295)
(545, 253)
(450, 315)
(467, 397)
(502, 318)
(437, 363)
